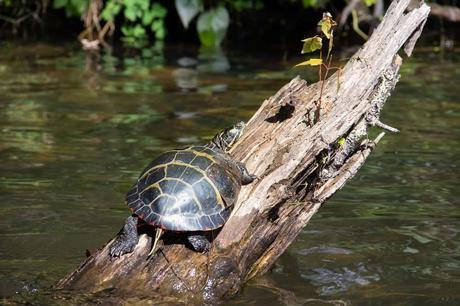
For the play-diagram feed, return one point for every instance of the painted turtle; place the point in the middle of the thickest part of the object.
(188, 190)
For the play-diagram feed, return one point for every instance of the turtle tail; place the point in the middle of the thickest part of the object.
(159, 231)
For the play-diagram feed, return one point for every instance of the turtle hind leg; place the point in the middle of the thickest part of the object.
(199, 243)
(246, 178)
(127, 239)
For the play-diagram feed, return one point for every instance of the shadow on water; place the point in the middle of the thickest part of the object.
(78, 127)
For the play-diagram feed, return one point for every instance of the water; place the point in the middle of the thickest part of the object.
(76, 130)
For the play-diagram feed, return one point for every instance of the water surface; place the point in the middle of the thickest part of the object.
(76, 130)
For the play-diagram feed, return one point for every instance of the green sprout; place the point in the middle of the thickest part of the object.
(312, 44)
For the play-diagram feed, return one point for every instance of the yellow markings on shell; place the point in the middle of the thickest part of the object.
(157, 185)
(154, 185)
(197, 153)
(168, 195)
(179, 163)
(164, 195)
(154, 168)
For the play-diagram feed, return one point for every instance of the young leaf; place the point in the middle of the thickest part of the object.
(311, 62)
(341, 141)
(311, 44)
(327, 24)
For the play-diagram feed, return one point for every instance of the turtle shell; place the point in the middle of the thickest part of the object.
(191, 189)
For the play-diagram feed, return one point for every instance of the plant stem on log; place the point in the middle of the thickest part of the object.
(300, 163)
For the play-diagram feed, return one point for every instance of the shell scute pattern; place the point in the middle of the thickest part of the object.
(151, 194)
(204, 192)
(162, 159)
(185, 156)
(175, 191)
(144, 212)
(191, 176)
(176, 170)
(163, 204)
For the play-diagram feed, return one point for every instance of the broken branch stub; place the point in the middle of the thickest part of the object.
(299, 162)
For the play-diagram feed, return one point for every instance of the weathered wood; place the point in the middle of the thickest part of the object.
(299, 164)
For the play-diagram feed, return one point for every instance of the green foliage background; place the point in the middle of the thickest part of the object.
(138, 19)
(143, 20)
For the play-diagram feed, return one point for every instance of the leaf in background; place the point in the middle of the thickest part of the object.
(110, 11)
(159, 28)
(159, 10)
(147, 18)
(59, 4)
(311, 44)
(311, 62)
(78, 6)
(221, 19)
(212, 26)
(187, 10)
(143, 5)
(310, 3)
(160, 33)
(139, 31)
(369, 2)
(204, 29)
(130, 13)
(127, 30)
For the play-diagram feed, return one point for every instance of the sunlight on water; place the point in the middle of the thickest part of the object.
(77, 130)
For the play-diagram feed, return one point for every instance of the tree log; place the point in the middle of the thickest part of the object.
(300, 162)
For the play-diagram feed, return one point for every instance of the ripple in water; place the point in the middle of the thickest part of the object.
(331, 282)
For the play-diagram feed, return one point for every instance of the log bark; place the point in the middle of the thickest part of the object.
(300, 162)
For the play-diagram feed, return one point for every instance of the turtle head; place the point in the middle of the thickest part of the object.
(227, 138)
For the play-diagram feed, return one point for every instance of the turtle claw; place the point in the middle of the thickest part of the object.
(246, 177)
(121, 246)
(199, 243)
(126, 240)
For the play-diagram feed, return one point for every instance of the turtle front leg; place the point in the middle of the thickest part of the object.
(199, 243)
(127, 238)
(246, 178)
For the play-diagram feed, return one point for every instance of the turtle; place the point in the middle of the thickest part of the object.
(190, 190)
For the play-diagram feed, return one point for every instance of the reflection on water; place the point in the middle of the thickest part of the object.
(331, 282)
(77, 128)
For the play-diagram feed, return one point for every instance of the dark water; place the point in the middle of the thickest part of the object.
(76, 132)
